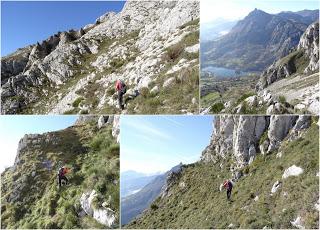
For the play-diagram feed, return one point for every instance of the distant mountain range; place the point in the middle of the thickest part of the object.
(258, 40)
(135, 204)
(215, 29)
(132, 181)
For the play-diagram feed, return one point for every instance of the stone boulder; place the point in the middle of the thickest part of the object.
(276, 186)
(292, 171)
(298, 223)
(103, 215)
(102, 121)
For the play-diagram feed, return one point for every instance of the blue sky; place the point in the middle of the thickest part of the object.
(24, 23)
(211, 10)
(13, 128)
(150, 144)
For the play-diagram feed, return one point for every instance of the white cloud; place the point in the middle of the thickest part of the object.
(172, 120)
(145, 128)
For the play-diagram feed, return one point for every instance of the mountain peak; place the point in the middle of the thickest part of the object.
(256, 12)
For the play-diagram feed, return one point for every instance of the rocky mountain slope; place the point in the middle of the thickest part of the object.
(30, 195)
(133, 205)
(152, 45)
(258, 40)
(289, 85)
(300, 73)
(274, 164)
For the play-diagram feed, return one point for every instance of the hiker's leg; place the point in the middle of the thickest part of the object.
(59, 181)
(65, 179)
(228, 194)
(120, 99)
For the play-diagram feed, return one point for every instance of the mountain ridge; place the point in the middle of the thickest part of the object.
(261, 37)
(30, 196)
(74, 71)
(135, 204)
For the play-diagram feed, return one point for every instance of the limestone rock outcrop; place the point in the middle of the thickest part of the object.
(309, 43)
(308, 48)
(103, 215)
(243, 137)
(130, 45)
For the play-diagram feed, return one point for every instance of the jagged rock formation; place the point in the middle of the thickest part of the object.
(263, 196)
(309, 43)
(244, 137)
(307, 51)
(30, 196)
(74, 72)
(300, 68)
(258, 40)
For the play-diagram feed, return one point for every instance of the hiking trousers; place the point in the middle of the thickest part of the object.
(229, 193)
(63, 178)
(120, 99)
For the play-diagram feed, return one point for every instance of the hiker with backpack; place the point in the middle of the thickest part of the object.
(62, 175)
(228, 186)
(121, 89)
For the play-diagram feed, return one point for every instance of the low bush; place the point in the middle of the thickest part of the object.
(282, 99)
(217, 107)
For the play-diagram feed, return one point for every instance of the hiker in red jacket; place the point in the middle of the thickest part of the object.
(228, 185)
(62, 175)
(121, 89)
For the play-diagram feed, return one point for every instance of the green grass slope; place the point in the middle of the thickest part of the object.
(196, 202)
(93, 156)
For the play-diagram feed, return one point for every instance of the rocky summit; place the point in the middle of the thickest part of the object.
(273, 163)
(153, 46)
(30, 195)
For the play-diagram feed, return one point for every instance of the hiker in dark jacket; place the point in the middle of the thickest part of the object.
(121, 89)
(228, 185)
(62, 175)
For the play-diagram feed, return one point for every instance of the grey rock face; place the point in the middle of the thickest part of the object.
(147, 28)
(248, 131)
(274, 73)
(309, 43)
(82, 119)
(241, 136)
(221, 140)
(116, 127)
(278, 129)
